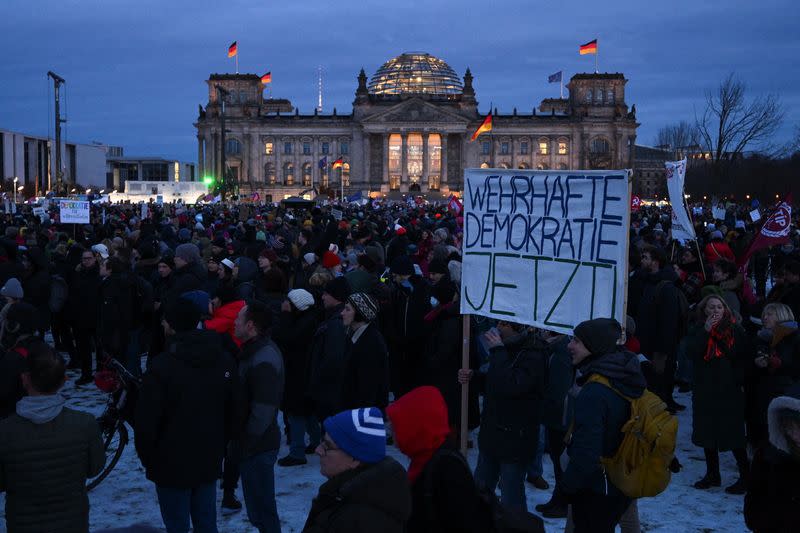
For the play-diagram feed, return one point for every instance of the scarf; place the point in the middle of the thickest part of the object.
(720, 338)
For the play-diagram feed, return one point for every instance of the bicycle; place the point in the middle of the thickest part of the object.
(123, 389)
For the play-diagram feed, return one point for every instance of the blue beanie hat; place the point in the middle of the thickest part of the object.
(199, 298)
(360, 433)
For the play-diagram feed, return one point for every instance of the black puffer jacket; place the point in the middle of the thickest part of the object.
(658, 322)
(84, 298)
(44, 470)
(367, 499)
(366, 375)
(327, 363)
(292, 335)
(187, 410)
(513, 400)
(36, 286)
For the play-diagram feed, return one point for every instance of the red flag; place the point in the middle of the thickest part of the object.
(774, 231)
(636, 203)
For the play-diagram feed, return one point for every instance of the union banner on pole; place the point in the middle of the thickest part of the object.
(774, 231)
(682, 228)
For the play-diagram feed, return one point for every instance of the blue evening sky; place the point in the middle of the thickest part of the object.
(136, 70)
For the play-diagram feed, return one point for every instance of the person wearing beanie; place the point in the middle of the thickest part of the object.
(366, 375)
(366, 491)
(200, 300)
(327, 351)
(297, 323)
(262, 375)
(12, 291)
(409, 302)
(181, 444)
(444, 496)
(332, 262)
(509, 429)
(189, 273)
(267, 259)
(437, 270)
(599, 414)
(225, 306)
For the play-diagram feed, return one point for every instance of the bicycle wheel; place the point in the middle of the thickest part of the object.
(114, 441)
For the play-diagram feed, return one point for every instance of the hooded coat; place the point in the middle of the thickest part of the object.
(371, 497)
(186, 411)
(36, 287)
(599, 416)
(658, 321)
(45, 461)
(223, 319)
(292, 335)
(443, 493)
(770, 505)
(328, 363)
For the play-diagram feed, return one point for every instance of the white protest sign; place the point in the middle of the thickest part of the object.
(40, 212)
(144, 211)
(682, 229)
(337, 214)
(718, 213)
(755, 215)
(74, 211)
(545, 248)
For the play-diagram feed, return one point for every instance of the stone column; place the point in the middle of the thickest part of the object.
(200, 156)
(443, 173)
(366, 162)
(278, 161)
(385, 159)
(404, 160)
(513, 146)
(315, 174)
(215, 152)
(425, 165)
(244, 167)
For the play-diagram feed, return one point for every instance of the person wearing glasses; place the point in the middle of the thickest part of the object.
(366, 490)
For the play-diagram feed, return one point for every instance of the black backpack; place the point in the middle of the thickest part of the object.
(59, 292)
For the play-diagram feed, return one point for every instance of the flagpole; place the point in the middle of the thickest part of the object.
(596, 53)
(237, 59)
(561, 85)
(491, 131)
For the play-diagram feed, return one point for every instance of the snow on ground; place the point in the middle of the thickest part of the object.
(126, 497)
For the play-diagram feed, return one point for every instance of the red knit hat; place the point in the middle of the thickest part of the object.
(330, 259)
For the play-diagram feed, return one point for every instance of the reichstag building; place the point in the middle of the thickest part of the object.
(409, 130)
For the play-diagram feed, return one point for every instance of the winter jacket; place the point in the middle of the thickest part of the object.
(223, 319)
(117, 294)
(366, 375)
(12, 365)
(366, 499)
(716, 250)
(512, 404)
(717, 391)
(773, 493)
(292, 335)
(36, 287)
(658, 322)
(598, 419)
(83, 303)
(441, 361)
(328, 363)
(186, 411)
(560, 377)
(188, 278)
(43, 471)
(262, 377)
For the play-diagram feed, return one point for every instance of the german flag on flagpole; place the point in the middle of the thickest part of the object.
(485, 126)
(233, 49)
(588, 48)
(266, 78)
(338, 163)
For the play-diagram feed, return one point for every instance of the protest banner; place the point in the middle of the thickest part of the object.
(74, 211)
(337, 214)
(544, 248)
(682, 228)
(755, 215)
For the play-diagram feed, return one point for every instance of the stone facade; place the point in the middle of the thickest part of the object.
(411, 139)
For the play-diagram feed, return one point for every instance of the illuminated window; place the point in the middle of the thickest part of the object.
(434, 154)
(562, 148)
(433, 182)
(269, 149)
(306, 174)
(394, 182)
(324, 177)
(414, 156)
(524, 166)
(486, 148)
(288, 174)
(346, 174)
(287, 148)
(484, 165)
(610, 96)
(326, 147)
(523, 148)
(543, 147)
(395, 147)
(269, 172)
(306, 148)
(177, 171)
(233, 147)
(543, 166)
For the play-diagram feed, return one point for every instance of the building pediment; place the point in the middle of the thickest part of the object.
(415, 110)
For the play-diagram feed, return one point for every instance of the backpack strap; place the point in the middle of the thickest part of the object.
(598, 378)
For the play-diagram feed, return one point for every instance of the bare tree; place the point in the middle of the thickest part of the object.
(676, 137)
(730, 124)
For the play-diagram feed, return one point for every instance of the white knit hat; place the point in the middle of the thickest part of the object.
(301, 299)
(310, 258)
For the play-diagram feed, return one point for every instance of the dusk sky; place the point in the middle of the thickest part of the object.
(136, 70)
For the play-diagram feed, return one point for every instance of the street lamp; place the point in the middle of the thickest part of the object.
(88, 191)
(16, 180)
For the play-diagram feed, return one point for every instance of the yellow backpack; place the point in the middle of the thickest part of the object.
(640, 466)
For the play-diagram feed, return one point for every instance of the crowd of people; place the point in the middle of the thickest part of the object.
(339, 330)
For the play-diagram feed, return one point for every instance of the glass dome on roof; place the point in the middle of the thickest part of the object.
(415, 73)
